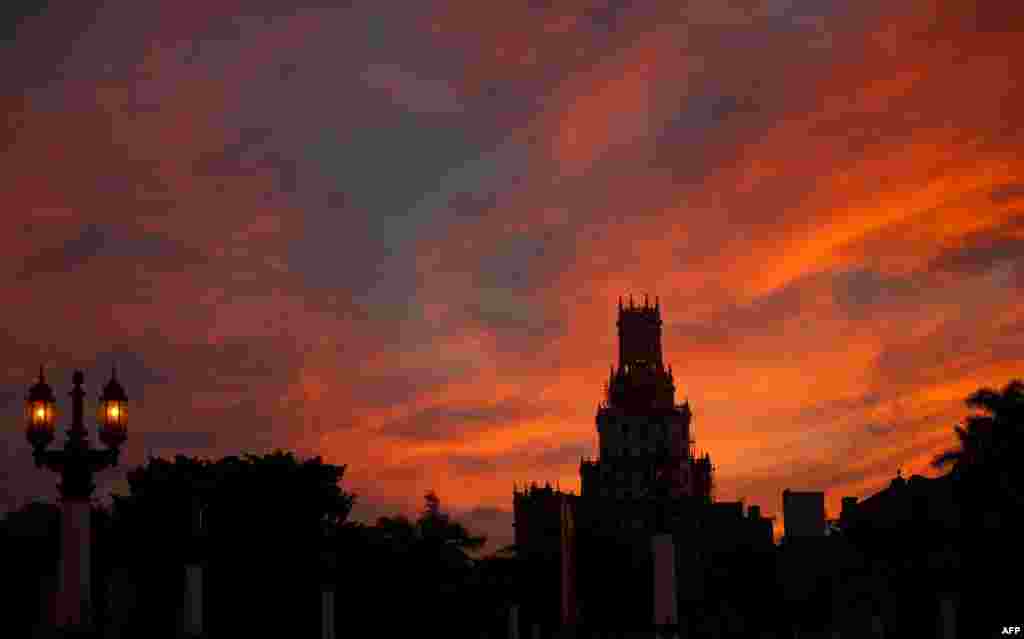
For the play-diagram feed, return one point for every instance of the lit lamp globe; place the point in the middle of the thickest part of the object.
(113, 413)
(40, 413)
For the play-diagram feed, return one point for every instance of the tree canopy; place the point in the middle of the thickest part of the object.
(433, 537)
(991, 443)
(264, 520)
(994, 435)
(237, 498)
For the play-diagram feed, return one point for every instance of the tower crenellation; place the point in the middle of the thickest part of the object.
(639, 330)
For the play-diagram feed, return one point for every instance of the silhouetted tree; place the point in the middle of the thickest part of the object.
(163, 496)
(300, 500)
(437, 527)
(29, 550)
(988, 484)
(420, 567)
(432, 531)
(993, 438)
(252, 497)
(986, 463)
(265, 517)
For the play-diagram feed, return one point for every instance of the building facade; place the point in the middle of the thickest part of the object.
(804, 513)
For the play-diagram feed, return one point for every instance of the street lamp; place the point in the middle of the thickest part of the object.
(113, 415)
(77, 462)
(40, 411)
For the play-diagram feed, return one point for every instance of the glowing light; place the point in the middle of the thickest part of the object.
(40, 413)
(114, 412)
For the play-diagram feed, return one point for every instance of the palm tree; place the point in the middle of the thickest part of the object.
(986, 465)
(989, 484)
(991, 439)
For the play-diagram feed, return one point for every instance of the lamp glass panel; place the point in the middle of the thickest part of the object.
(41, 414)
(113, 413)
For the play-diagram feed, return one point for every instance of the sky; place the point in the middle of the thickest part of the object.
(394, 233)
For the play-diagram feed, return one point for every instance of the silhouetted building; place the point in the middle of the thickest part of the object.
(648, 480)
(891, 562)
(644, 436)
(919, 500)
(803, 514)
(545, 539)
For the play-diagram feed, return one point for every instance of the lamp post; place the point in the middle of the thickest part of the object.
(76, 463)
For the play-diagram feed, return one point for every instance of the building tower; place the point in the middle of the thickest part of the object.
(645, 443)
(646, 483)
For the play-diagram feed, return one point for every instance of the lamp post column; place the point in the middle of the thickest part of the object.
(77, 596)
(329, 565)
(76, 463)
(192, 623)
(76, 504)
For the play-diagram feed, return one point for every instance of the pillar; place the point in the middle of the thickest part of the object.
(193, 621)
(327, 613)
(665, 606)
(115, 611)
(76, 586)
(328, 581)
(947, 618)
(877, 630)
(513, 621)
(57, 595)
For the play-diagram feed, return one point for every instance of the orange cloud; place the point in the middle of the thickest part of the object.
(611, 106)
(833, 232)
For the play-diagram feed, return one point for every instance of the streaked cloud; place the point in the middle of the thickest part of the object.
(398, 241)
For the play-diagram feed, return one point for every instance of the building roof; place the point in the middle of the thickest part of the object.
(904, 499)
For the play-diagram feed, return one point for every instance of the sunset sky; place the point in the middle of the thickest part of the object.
(394, 233)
